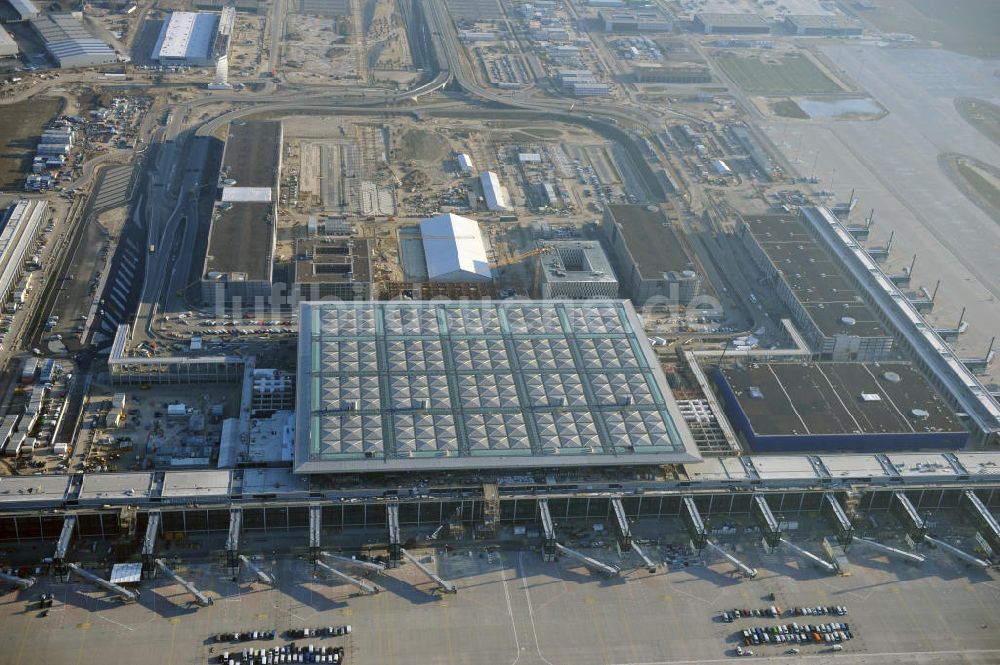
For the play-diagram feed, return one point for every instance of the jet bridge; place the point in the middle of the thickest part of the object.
(624, 531)
(650, 564)
(261, 575)
(893, 551)
(443, 585)
(822, 563)
(982, 518)
(832, 509)
(548, 531)
(124, 594)
(233, 539)
(369, 566)
(695, 524)
(743, 568)
(370, 589)
(62, 545)
(590, 562)
(761, 512)
(909, 517)
(315, 526)
(21, 582)
(392, 521)
(149, 543)
(201, 599)
(957, 553)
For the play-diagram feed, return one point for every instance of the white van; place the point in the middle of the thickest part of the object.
(837, 647)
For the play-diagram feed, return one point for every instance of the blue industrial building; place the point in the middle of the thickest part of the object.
(827, 407)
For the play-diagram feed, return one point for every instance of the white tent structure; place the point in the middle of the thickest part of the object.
(454, 250)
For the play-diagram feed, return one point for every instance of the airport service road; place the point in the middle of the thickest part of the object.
(517, 610)
(893, 165)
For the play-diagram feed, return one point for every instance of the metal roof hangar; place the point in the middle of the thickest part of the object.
(69, 42)
(386, 386)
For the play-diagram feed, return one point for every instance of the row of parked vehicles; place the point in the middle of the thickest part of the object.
(329, 631)
(794, 633)
(289, 653)
(248, 636)
(774, 612)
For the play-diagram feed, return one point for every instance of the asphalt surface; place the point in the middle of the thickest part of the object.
(892, 165)
(513, 609)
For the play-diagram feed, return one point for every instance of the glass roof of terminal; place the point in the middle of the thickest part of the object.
(418, 385)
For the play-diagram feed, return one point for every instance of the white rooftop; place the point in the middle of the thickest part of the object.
(246, 194)
(187, 35)
(454, 250)
(428, 385)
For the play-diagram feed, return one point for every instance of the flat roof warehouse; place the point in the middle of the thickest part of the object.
(651, 240)
(837, 406)
(187, 35)
(241, 239)
(830, 300)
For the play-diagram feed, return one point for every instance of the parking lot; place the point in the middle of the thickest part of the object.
(522, 611)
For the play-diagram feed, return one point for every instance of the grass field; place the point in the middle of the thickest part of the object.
(977, 180)
(786, 108)
(964, 26)
(20, 126)
(780, 75)
(981, 114)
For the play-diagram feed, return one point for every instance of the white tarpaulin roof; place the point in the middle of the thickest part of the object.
(454, 249)
(246, 194)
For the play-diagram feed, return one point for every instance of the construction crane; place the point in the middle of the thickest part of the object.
(517, 258)
(495, 263)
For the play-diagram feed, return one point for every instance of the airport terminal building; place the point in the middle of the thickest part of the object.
(461, 385)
